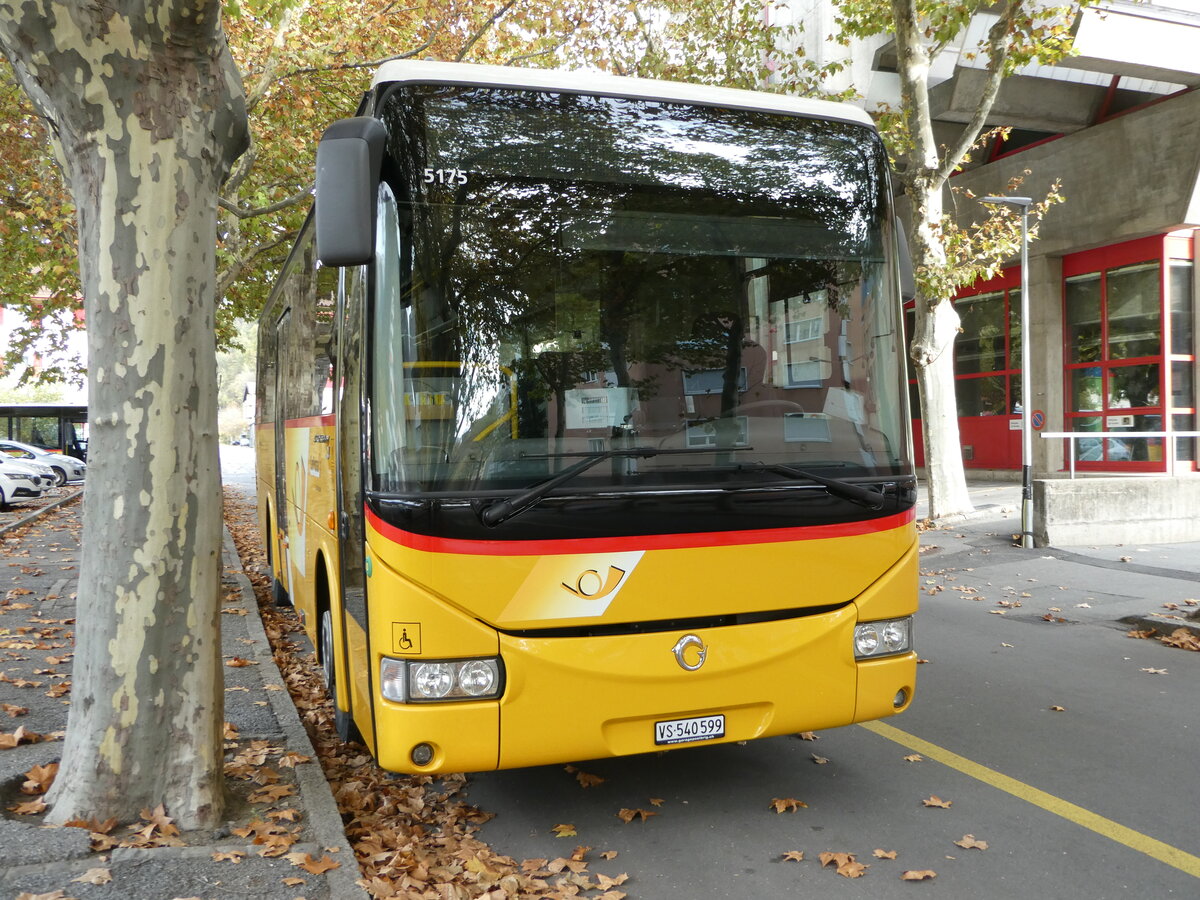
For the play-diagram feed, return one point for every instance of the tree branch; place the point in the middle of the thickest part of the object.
(242, 212)
(484, 29)
(999, 47)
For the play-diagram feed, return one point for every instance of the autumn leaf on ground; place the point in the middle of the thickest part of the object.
(609, 854)
(968, 842)
(846, 864)
(306, 862)
(271, 793)
(935, 800)
(656, 801)
(914, 757)
(33, 807)
(39, 778)
(919, 875)
(233, 856)
(293, 881)
(807, 735)
(1058, 709)
(884, 854)
(587, 780)
(564, 831)
(794, 856)
(787, 804)
(238, 662)
(819, 760)
(159, 820)
(96, 875)
(1155, 671)
(53, 895)
(605, 883)
(1183, 639)
(628, 815)
(12, 710)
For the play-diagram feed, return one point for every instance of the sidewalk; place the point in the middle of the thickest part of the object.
(1126, 586)
(38, 573)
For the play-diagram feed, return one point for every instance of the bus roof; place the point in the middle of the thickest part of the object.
(586, 82)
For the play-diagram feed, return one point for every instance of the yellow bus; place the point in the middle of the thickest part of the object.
(582, 419)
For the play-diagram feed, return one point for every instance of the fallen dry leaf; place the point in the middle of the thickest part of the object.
(794, 856)
(1058, 709)
(914, 757)
(819, 760)
(306, 862)
(1155, 671)
(787, 804)
(564, 831)
(919, 875)
(39, 778)
(968, 842)
(846, 864)
(95, 875)
(1183, 639)
(884, 854)
(936, 801)
(628, 815)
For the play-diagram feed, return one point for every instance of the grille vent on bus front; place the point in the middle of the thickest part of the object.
(609, 629)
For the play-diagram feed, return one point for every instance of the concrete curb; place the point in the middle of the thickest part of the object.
(39, 512)
(324, 821)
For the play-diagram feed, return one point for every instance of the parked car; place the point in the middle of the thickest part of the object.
(65, 468)
(19, 482)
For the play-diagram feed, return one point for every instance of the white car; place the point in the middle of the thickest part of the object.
(19, 482)
(64, 468)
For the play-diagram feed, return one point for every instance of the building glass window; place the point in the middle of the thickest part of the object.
(987, 354)
(1129, 351)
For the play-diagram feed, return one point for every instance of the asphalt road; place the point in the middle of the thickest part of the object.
(1094, 801)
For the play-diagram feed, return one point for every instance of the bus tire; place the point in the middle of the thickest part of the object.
(343, 721)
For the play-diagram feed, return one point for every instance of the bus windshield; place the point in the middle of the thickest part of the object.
(563, 276)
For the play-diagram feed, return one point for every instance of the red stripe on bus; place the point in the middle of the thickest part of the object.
(310, 422)
(431, 544)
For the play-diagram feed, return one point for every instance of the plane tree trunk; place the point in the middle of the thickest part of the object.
(145, 107)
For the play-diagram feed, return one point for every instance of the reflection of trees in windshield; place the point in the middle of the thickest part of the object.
(597, 269)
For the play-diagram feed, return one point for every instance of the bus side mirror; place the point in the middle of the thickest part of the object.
(349, 159)
(908, 284)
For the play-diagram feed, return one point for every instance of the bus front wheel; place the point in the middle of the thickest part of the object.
(343, 721)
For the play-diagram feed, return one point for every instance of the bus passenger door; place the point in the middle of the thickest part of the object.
(356, 673)
(279, 556)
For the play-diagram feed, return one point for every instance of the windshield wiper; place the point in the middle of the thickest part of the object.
(844, 489)
(505, 509)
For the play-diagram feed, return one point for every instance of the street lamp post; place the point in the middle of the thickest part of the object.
(1023, 203)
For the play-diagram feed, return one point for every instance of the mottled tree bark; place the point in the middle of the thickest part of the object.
(146, 109)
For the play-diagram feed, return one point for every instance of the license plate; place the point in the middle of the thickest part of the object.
(682, 731)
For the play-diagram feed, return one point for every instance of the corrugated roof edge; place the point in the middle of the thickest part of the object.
(584, 82)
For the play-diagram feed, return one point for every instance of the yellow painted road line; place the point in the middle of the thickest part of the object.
(1114, 831)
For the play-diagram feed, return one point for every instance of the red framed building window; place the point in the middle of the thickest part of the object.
(987, 373)
(1129, 352)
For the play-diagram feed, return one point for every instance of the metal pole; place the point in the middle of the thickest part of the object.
(1026, 392)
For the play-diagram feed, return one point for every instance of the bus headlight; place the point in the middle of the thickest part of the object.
(874, 639)
(424, 681)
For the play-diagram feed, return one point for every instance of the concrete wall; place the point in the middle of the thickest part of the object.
(1130, 177)
(1127, 510)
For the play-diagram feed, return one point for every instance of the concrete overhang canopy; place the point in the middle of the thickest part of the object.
(1139, 40)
